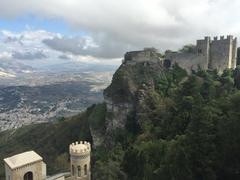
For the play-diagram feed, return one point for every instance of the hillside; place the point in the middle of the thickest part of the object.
(50, 140)
(179, 127)
(23, 105)
(156, 123)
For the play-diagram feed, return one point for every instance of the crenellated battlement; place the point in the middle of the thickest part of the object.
(80, 148)
(228, 37)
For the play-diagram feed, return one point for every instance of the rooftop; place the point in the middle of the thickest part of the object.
(22, 159)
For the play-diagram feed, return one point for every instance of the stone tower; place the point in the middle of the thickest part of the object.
(223, 53)
(80, 160)
(25, 166)
(203, 51)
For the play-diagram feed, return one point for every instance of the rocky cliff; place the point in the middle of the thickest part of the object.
(130, 85)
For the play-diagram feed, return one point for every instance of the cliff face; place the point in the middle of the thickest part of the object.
(130, 85)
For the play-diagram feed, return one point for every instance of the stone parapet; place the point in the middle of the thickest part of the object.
(80, 148)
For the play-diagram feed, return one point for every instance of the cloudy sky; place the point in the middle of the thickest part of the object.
(101, 31)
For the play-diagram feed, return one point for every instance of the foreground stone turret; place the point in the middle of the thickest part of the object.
(80, 160)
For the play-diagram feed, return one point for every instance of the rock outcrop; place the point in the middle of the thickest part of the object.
(129, 87)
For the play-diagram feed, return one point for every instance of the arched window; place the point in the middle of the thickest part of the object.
(85, 169)
(79, 171)
(28, 176)
(73, 170)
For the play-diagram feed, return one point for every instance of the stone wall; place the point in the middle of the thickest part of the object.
(80, 159)
(217, 54)
(221, 54)
(203, 52)
(36, 168)
(146, 55)
(234, 58)
(188, 61)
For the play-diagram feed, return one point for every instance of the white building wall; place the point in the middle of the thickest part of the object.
(80, 161)
(18, 174)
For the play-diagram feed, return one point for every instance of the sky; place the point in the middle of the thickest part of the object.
(44, 32)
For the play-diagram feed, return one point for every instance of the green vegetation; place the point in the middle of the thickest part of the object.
(190, 48)
(97, 116)
(184, 127)
(188, 128)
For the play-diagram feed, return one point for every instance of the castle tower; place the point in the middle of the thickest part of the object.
(25, 166)
(223, 53)
(203, 51)
(234, 53)
(80, 160)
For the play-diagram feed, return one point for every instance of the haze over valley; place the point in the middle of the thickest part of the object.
(29, 95)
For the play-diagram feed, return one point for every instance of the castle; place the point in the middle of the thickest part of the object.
(30, 166)
(211, 54)
(217, 54)
(147, 55)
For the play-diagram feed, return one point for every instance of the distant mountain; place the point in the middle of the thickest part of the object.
(13, 69)
(10, 68)
(78, 66)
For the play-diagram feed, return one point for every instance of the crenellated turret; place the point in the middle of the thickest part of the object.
(80, 160)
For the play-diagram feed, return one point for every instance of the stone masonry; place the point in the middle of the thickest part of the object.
(217, 54)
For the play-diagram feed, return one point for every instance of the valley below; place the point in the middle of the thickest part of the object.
(42, 97)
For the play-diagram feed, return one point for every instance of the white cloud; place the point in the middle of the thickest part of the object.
(5, 55)
(26, 45)
(86, 46)
(29, 55)
(28, 38)
(28, 48)
(117, 26)
(90, 59)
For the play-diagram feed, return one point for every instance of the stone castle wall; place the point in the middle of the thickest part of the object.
(203, 52)
(188, 61)
(223, 53)
(217, 54)
(147, 55)
(234, 51)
